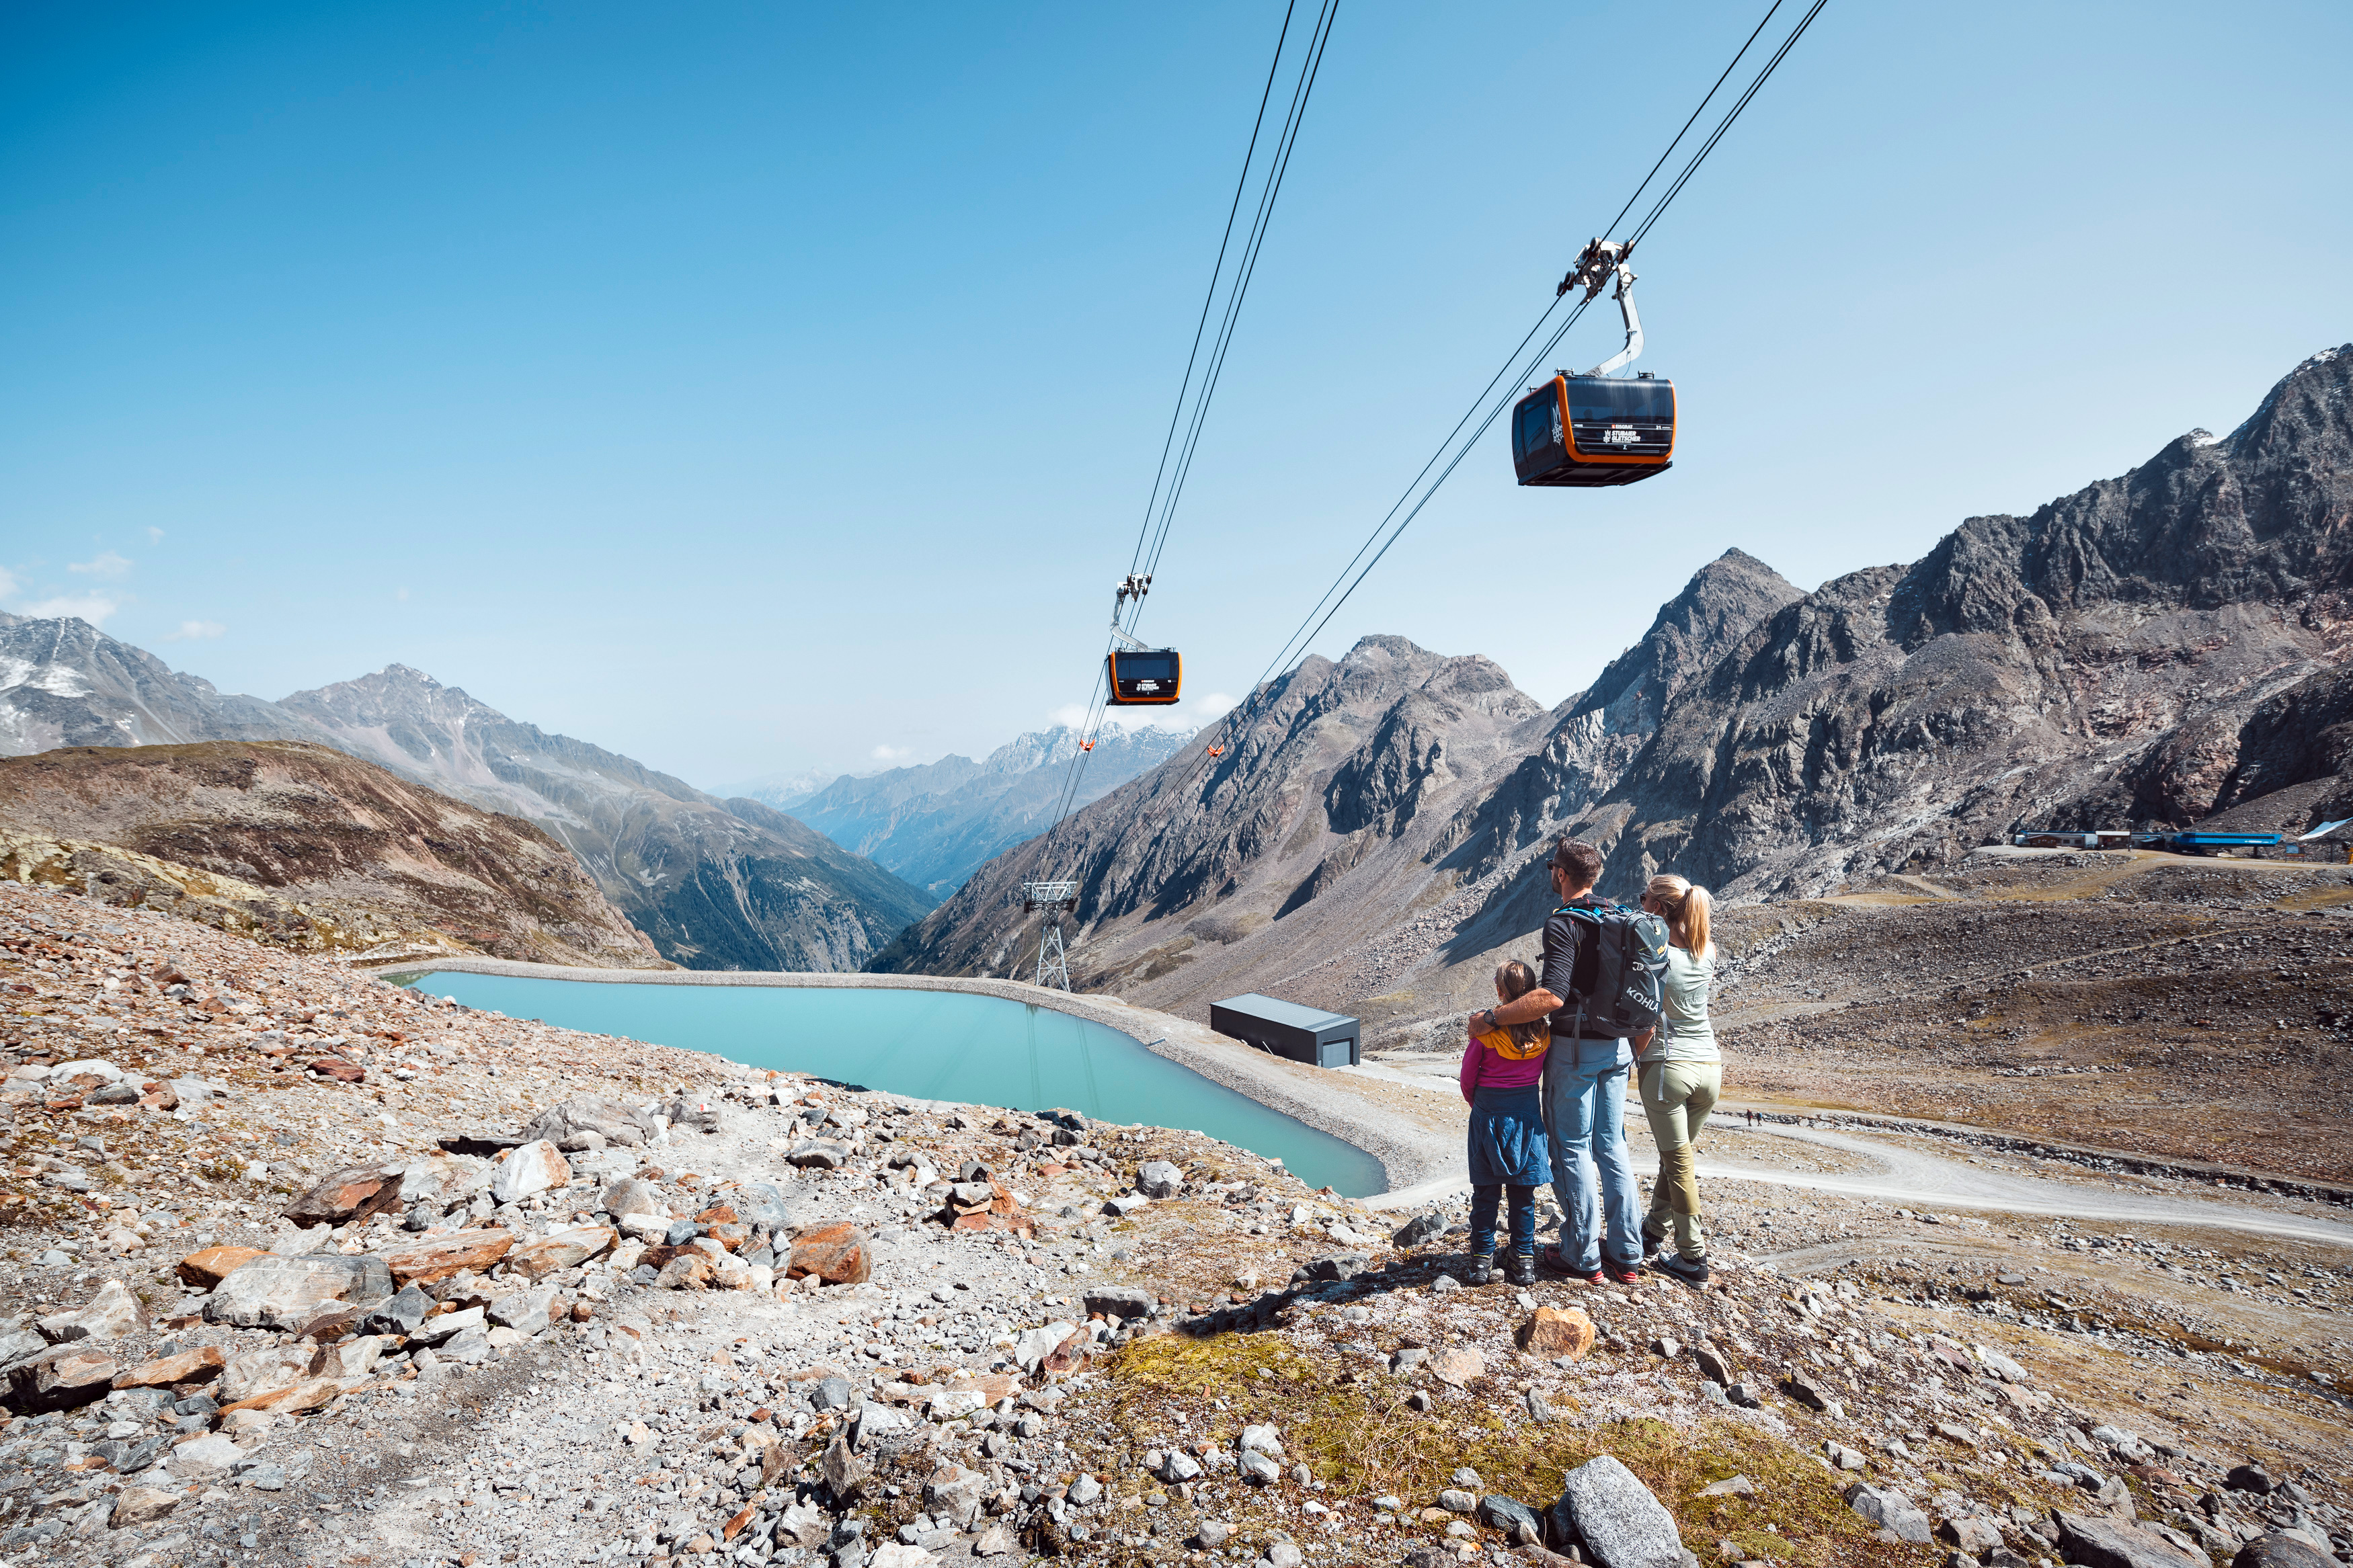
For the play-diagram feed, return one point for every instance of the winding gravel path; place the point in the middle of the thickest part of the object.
(1908, 1175)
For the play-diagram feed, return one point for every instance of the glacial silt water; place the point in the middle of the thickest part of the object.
(928, 1044)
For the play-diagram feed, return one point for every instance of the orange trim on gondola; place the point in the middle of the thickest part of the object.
(1578, 454)
(1176, 687)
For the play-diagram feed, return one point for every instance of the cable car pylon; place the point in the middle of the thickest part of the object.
(1054, 900)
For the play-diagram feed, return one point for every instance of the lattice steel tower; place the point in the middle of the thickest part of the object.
(1052, 899)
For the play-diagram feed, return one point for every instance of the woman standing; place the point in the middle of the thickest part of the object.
(1680, 1072)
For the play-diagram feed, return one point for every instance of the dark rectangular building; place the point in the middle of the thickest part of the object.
(1288, 1029)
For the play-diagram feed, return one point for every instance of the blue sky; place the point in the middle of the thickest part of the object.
(760, 388)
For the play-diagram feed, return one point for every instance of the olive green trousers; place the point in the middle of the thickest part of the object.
(1676, 1098)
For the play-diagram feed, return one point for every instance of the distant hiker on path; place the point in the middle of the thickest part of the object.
(1680, 1073)
(1599, 984)
(1501, 1070)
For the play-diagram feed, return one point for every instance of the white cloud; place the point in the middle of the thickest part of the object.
(401, 595)
(106, 564)
(7, 583)
(892, 754)
(155, 535)
(196, 631)
(91, 608)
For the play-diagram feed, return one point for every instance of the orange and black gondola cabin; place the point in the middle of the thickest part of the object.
(1589, 430)
(1139, 677)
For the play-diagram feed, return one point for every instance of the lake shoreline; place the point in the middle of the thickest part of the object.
(1331, 1100)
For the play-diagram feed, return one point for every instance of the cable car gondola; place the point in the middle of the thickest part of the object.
(1139, 677)
(1594, 429)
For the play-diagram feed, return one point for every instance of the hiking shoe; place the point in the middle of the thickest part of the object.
(1653, 1240)
(1689, 1270)
(1482, 1271)
(1551, 1260)
(1520, 1268)
(1624, 1273)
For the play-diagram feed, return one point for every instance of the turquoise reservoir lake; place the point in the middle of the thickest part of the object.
(930, 1045)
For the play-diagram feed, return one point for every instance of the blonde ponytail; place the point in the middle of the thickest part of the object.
(1686, 909)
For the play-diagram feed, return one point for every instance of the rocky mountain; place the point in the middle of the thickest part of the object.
(1312, 835)
(934, 823)
(63, 682)
(305, 845)
(2150, 648)
(716, 884)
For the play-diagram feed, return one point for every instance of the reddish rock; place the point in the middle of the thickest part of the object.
(444, 1255)
(1557, 1332)
(717, 1213)
(356, 1192)
(559, 1249)
(214, 1263)
(836, 1253)
(188, 1366)
(336, 1068)
(159, 1097)
(311, 1393)
(689, 1270)
(731, 1237)
(1067, 1357)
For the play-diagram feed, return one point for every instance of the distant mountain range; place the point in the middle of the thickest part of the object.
(2167, 647)
(933, 824)
(716, 884)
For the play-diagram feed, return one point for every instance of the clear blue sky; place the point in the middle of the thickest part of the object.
(752, 388)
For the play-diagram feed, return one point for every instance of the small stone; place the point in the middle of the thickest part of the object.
(1731, 1486)
(355, 1193)
(1712, 1365)
(1972, 1533)
(1420, 1228)
(446, 1256)
(1337, 1265)
(1119, 1302)
(2250, 1478)
(1258, 1466)
(1086, 1491)
(1419, 1400)
(1744, 1395)
(1665, 1348)
(1806, 1392)
(559, 1249)
(1457, 1367)
(399, 1314)
(1843, 1457)
(1284, 1554)
(1213, 1534)
(1457, 1501)
(1554, 1332)
(1443, 1284)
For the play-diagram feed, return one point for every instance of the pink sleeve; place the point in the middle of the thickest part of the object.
(1473, 1057)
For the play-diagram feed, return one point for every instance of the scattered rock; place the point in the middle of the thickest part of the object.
(1420, 1228)
(2250, 1478)
(284, 1292)
(110, 1314)
(836, 1253)
(208, 1267)
(1159, 1179)
(533, 1167)
(2280, 1550)
(1557, 1332)
(356, 1192)
(445, 1256)
(62, 1378)
(141, 1505)
(186, 1366)
(1890, 1510)
(1457, 1367)
(1119, 1302)
(1731, 1486)
(559, 1249)
(2111, 1544)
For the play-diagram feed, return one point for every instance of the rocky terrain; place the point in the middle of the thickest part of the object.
(716, 884)
(305, 847)
(933, 824)
(336, 1273)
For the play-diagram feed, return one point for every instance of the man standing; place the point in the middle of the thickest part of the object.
(1584, 1090)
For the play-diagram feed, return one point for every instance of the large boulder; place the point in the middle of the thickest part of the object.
(110, 1314)
(285, 1292)
(1605, 1508)
(1557, 1332)
(610, 1120)
(1891, 1510)
(2094, 1542)
(629, 1195)
(355, 1193)
(2281, 1549)
(837, 1254)
(559, 1249)
(535, 1167)
(444, 1255)
(165, 1371)
(209, 1267)
(62, 1378)
(264, 1371)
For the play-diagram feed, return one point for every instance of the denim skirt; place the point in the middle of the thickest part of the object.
(1508, 1145)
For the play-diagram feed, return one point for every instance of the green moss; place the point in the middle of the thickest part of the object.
(1355, 1431)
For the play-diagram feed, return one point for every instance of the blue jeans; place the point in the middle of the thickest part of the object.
(1592, 1176)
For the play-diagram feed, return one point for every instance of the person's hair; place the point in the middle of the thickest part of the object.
(1581, 860)
(1685, 907)
(1515, 980)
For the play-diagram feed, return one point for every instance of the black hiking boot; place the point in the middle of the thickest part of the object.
(1689, 1270)
(1520, 1269)
(1482, 1271)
